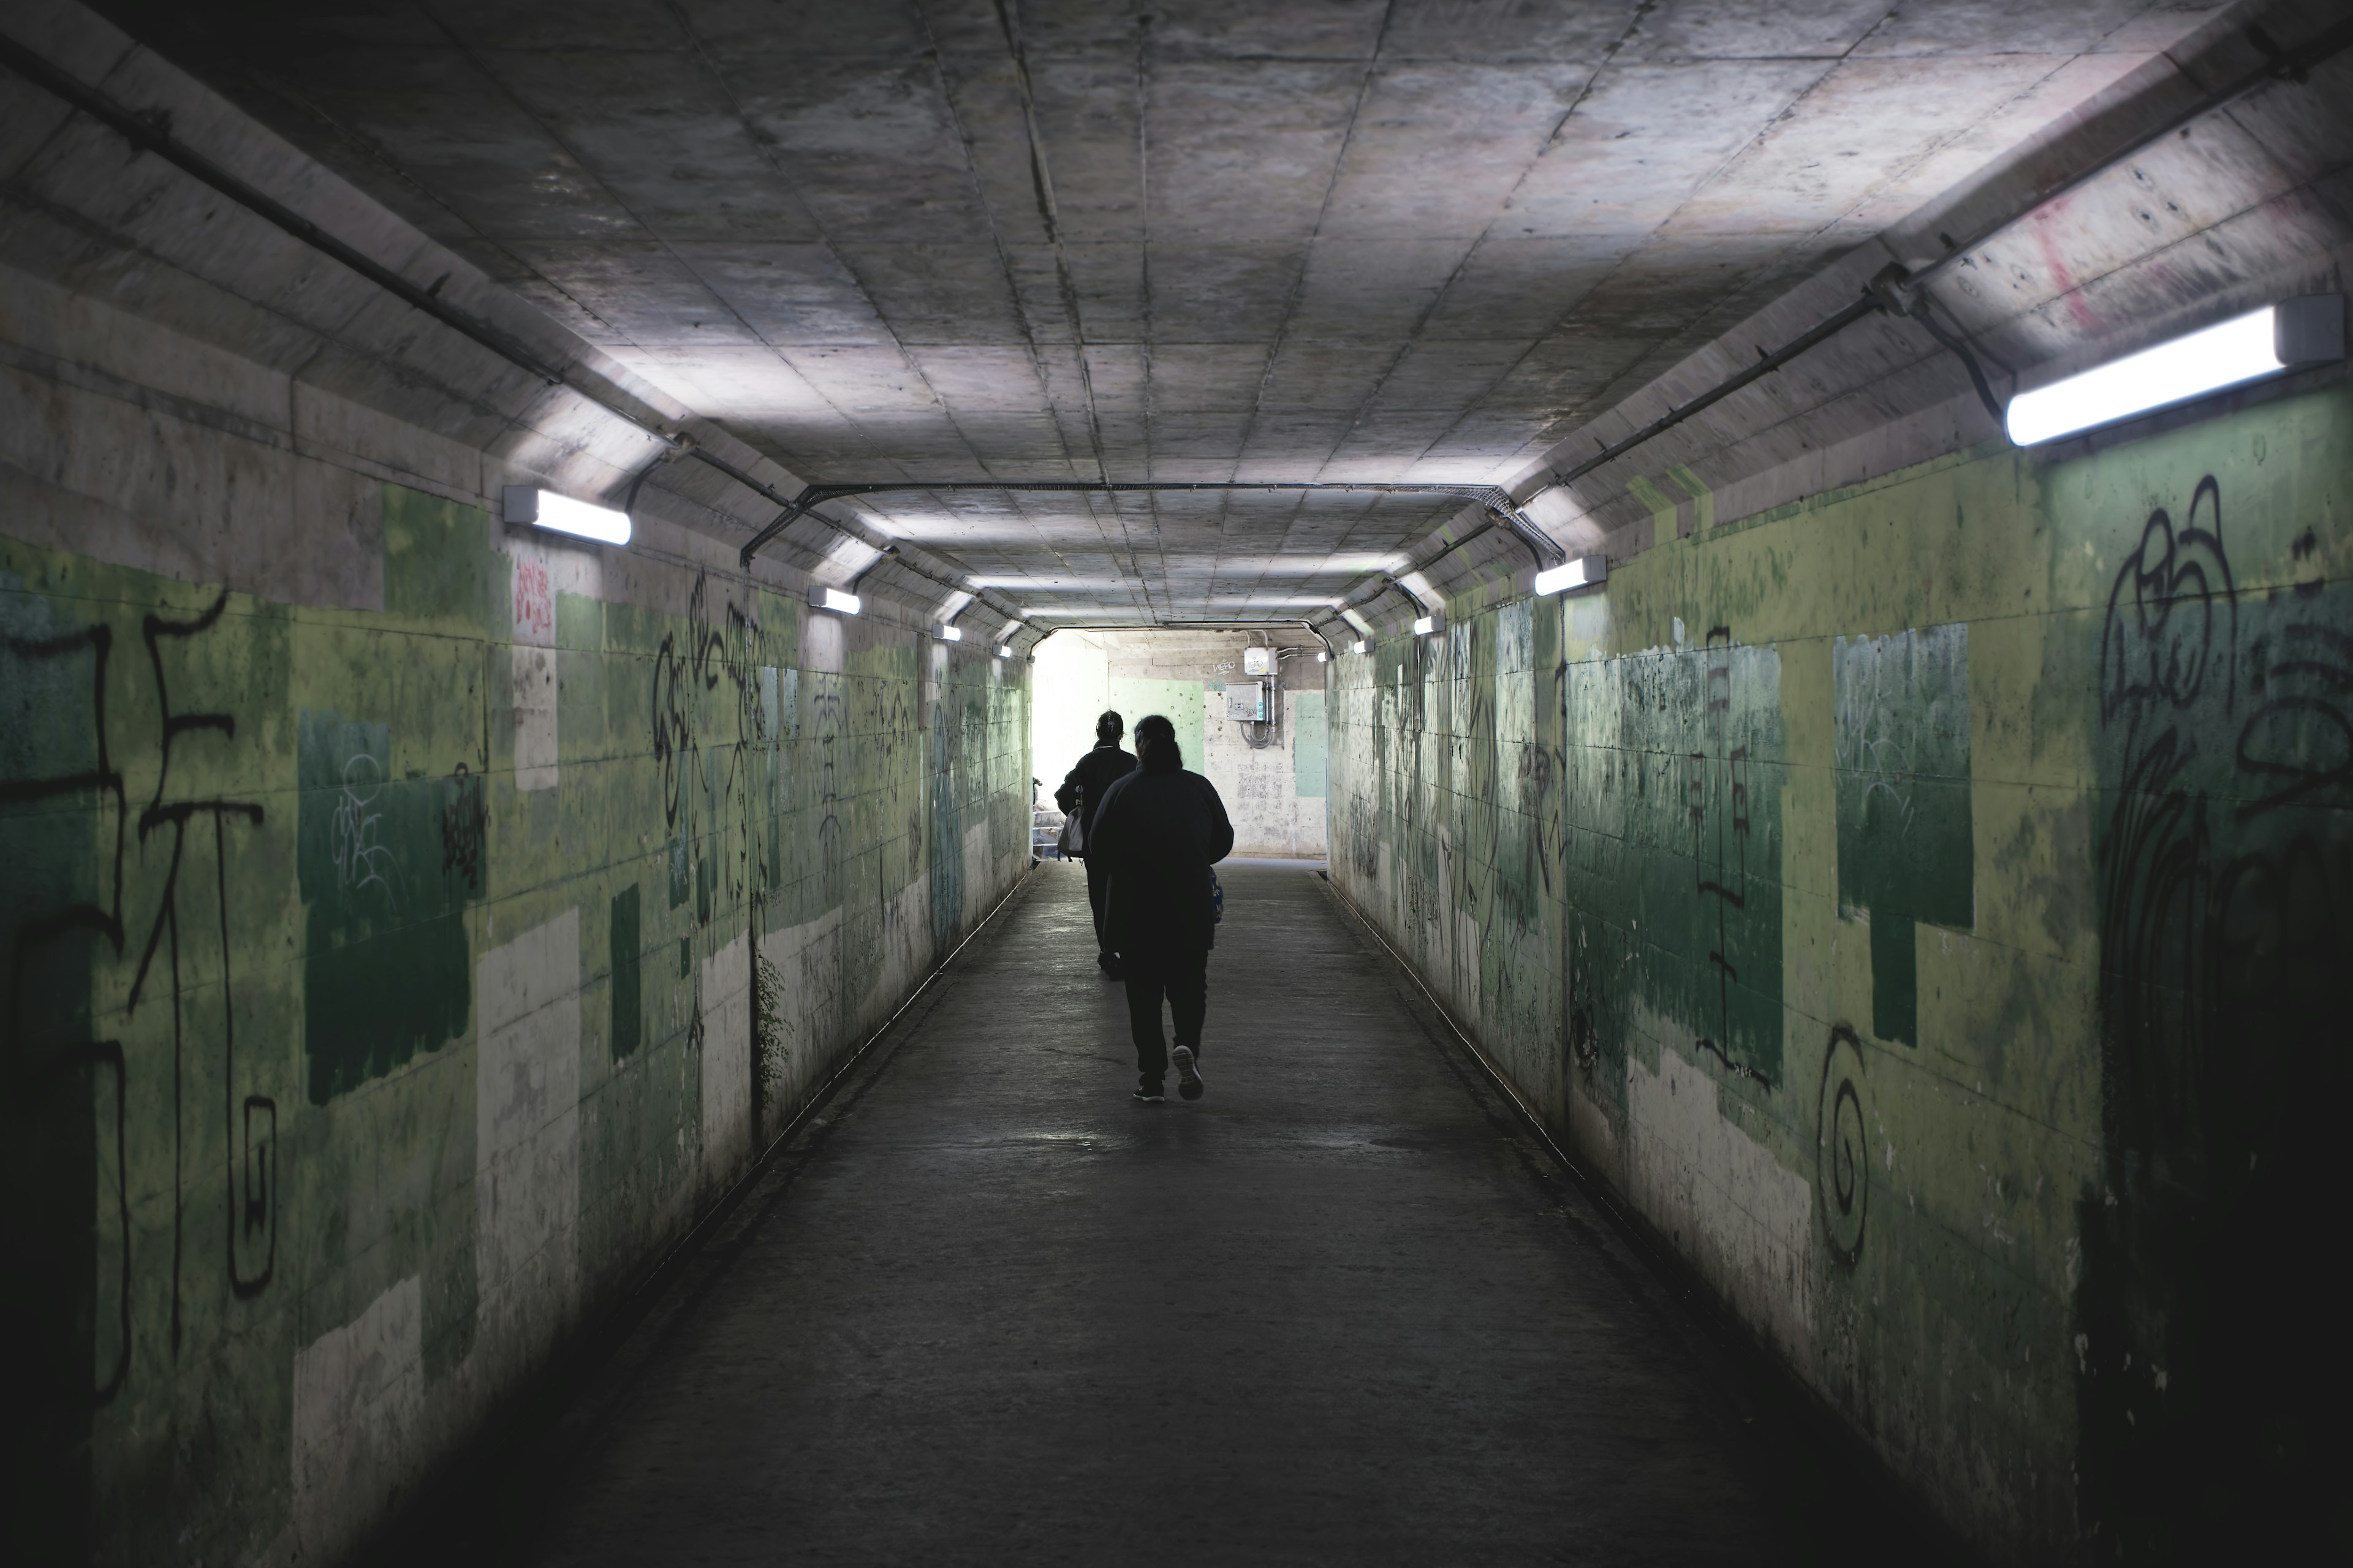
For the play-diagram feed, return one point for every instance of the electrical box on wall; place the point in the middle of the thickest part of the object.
(1246, 701)
(1258, 661)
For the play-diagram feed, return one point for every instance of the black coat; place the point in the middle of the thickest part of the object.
(1156, 836)
(1085, 785)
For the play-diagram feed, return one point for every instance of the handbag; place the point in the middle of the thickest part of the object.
(1072, 845)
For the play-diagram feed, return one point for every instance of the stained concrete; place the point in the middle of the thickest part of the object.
(1340, 1310)
(1372, 239)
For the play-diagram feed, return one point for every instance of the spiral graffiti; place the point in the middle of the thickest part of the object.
(1842, 1185)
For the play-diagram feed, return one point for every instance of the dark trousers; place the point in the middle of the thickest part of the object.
(1098, 882)
(1184, 978)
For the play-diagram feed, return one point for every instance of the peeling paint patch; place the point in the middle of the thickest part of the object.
(533, 675)
(1735, 1211)
(359, 1399)
(527, 1130)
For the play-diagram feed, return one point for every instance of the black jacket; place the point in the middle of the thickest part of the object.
(1156, 835)
(1085, 785)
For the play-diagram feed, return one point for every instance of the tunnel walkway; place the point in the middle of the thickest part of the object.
(985, 1308)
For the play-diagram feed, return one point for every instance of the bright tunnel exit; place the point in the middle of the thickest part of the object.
(1270, 769)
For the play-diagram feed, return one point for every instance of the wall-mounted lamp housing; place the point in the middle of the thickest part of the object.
(951, 634)
(1583, 571)
(1360, 645)
(529, 503)
(1424, 625)
(2305, 330)
(1323, 659)
(1004, 650)
(835, 599)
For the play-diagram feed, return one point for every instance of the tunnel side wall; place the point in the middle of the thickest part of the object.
(1928, 905)
(416, 924)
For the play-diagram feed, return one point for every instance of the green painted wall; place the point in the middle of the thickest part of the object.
(1309, 752)
(1178, 702)
(380, 998)
(1930, 906)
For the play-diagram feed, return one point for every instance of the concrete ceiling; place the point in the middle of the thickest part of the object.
(1274, 239)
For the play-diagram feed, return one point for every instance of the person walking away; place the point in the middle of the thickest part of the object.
(1082, 791)
(1156, 836)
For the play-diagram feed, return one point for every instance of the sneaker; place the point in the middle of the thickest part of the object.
(1188, 1072)
(1149, 1094)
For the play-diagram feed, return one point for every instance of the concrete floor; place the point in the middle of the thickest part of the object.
(1341, 1310)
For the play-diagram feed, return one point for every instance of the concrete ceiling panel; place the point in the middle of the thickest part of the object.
(1109, 284)
(788, 294)
(1863, 125)
(1646, 137)
(1206, 378)
(1518, 287)
(1251, 29)
(977, 380)
(1378, 290)
(937, 291)
(640, 290)
(1321, 379)
(2035, 27)
(655, 132)
(1788, 30)
(1234, 293)
(1437, 149)
(1506, 31)
(1441, 376)
(1244, 151)
(1281, 238)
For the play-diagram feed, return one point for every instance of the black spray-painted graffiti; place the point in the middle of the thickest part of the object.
(49, 1043)
(465, 826)
(2226, 915)
(1716, 794)
(1842, 1148)
(692, 766)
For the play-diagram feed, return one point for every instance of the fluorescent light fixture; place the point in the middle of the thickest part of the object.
(1323, 659)
(951, 634)
(1004, 650)
(1423, 626)
(2231, 354)
(529, 503)
(835, 599)
(1576, 573)
(1360, 645)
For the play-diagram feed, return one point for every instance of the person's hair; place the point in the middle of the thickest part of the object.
(1109, 725)
(1155, 743)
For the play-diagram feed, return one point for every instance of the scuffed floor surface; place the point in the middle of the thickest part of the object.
(1339, 1311)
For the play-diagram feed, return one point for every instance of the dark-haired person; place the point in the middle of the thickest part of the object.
(1082, 791)
(1156, 836)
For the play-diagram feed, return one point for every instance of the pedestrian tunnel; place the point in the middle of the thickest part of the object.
(1747, 604)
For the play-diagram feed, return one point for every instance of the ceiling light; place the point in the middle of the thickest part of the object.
(2245, 348)
(951, 634)
(1360, 645)
(1577, 574)
(529, 503)
(1323, 659)
(1424, 625)
(835, 599)
(1004, 650)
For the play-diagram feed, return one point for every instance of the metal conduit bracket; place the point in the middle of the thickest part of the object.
(1493, 499)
